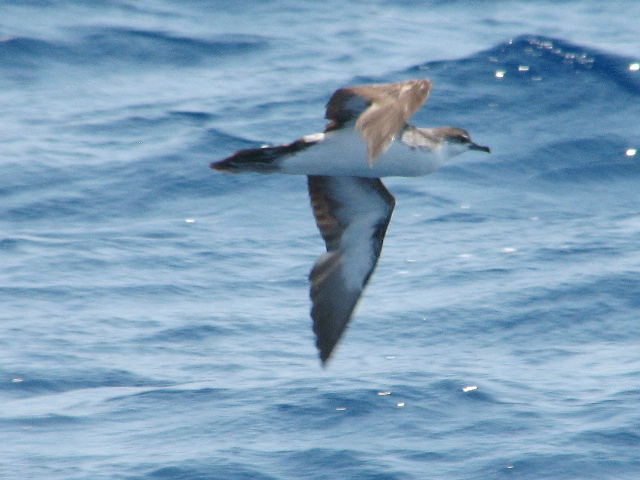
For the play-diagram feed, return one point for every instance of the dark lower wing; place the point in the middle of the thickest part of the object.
(352, 214)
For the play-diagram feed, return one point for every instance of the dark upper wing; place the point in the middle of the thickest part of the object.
(379, 110)
(352, 214)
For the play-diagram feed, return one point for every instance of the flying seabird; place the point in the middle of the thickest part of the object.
(366, 137)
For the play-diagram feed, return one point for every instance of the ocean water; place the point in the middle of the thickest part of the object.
(154, 315)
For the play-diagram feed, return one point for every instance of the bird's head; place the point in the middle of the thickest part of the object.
(457, 141)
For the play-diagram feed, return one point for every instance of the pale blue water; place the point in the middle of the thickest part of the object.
(154, 314)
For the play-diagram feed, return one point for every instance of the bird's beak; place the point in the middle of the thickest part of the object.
(474, 146)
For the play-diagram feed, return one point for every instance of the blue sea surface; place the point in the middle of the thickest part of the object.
(154, 314)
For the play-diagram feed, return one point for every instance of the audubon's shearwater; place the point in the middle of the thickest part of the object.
(366, 137)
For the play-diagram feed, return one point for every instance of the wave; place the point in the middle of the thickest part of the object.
(552, 111)
(31, 383)
(124, 46)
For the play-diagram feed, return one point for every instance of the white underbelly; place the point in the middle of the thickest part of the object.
(343, 153)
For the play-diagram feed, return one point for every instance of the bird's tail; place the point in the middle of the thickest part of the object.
(266, 159)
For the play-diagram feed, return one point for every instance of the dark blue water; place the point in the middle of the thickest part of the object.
(154, 314)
